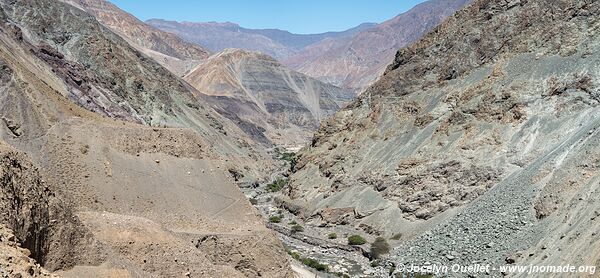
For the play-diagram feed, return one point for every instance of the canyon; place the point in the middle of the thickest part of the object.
(459, 132)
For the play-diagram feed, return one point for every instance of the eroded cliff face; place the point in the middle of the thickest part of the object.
(479, 140)
(143, 193)
(272, 104)
(15, 260)
(38, 220)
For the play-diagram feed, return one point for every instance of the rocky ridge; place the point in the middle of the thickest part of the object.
(37, 223)
(466, 144)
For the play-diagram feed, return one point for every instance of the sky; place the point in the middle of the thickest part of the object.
(296, 16)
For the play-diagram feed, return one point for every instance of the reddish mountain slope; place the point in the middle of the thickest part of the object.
(355, 62)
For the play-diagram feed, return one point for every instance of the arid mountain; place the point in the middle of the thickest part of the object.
(273, 42)
(166, 48)
(351, 59)
(357, 61)
(273, 104)
(134, 175)
(478, 145)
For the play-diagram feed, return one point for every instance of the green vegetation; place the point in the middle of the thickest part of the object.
(294, 255)
(275, 218)
(379, 247)
(277, 185)
(356, 240)
(314, 264)
(293, 222)
(332, 236)
(397, 236)
(287, 156)
(297, 229)
(309, 262)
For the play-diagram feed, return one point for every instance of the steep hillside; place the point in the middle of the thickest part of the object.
(357, 61)
(273, 42)
(166, 48)
(106, 75)
(268, 101)
(156, 200)
(479, 143)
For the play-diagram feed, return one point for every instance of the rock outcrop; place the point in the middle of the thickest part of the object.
(38, 221)
(479, 140)
(15, 260)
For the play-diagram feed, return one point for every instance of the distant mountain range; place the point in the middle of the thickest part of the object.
(274, 42)
(357, 61)
(351, 59)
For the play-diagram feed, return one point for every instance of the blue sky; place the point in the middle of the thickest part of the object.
(296, 16)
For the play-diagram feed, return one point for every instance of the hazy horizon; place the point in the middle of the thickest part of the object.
(300, 17)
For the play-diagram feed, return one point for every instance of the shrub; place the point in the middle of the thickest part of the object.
(294, 255)
(297, 229)
(332, 236)
(293, 222)
(308, 261)
(275, 218)
(287, 156)
(356, 240)
(277, 185)
(379, 247)
(397, 236)
(314, 264)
